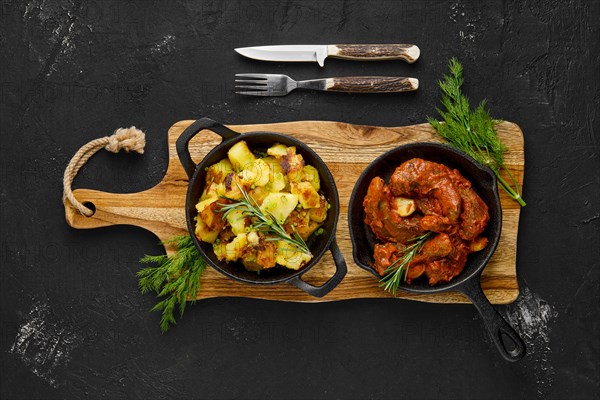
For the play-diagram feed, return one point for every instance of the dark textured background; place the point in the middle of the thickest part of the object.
(75, 325)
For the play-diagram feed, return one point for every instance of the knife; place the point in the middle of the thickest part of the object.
(362, 52)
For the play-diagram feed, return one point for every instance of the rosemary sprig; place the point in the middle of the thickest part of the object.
(264, 221)
(472, 131)
(394, 273)
(176, 277)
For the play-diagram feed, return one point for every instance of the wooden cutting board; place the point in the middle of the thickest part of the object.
(347, 149)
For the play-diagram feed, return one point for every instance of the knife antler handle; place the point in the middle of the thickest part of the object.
(375, 52)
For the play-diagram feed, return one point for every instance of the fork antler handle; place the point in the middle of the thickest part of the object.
(371, 84)
(374, 52)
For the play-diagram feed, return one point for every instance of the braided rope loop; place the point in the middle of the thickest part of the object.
(128, 139)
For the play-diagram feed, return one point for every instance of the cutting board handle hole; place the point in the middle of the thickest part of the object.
(91, 206)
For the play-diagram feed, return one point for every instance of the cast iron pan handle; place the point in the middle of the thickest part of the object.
(507, 340)
(340, 272)
(183, 141)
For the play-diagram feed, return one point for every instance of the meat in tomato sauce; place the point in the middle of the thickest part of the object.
(424, 196)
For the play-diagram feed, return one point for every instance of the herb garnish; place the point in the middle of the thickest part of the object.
(265, 221)
(393, 274)
(472, 131)
(176, 276)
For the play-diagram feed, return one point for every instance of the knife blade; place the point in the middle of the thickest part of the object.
(317, 53)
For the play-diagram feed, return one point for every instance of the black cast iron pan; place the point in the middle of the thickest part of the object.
(260, 141)
(484, 182)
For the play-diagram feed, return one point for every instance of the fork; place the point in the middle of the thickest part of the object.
(280, 85)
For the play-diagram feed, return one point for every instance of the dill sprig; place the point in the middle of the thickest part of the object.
(472, 131)
(264, 221)
(176, 277)
(398, 271)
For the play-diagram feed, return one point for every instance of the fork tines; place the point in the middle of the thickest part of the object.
(259, 82)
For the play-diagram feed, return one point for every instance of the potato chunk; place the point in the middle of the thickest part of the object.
(211, 191)
(259, 193)
(290, 257)
(235, 249)
(277, 150)
(273, 164)
(277, 180)
(217, 172)
(292, 164)
(307, 195)
(231, 187)
(220, 250)
(256, 173)
(204, 203)
(204, 233)
(238, 221)
(478, 244)
(278, 183)
(212, 216)
(403, 206)
(299, 222)
(240, 156)
(310, 174)
(319, 214)
(280, 205)
(266, 254)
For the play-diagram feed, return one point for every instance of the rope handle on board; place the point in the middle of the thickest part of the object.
(128, 139)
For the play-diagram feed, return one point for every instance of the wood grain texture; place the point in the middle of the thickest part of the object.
(370, 84)
(375, 52)
(347, 150)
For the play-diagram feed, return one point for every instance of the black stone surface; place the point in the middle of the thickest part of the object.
(73, 322)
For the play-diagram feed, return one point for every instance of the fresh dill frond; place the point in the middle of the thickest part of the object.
(398, 270)
(175, 277)
(263, 221)
(472, 131)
